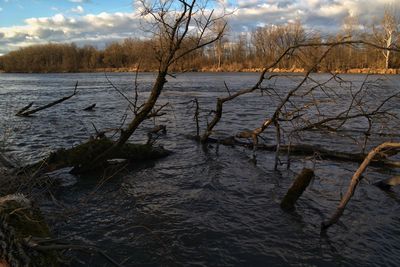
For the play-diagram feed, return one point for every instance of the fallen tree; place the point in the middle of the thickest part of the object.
(308, 150)
(173, 23)
(84, 153)
(180, 27)
(299, 110)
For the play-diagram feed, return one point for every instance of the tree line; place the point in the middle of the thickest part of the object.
(240, 52)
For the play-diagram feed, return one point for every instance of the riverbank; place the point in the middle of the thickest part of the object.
(274, 70)
(232, 69)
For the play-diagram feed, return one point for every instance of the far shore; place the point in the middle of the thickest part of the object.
(222, 70)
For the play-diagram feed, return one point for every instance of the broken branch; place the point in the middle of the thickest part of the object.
(25, 112)
(355, 180)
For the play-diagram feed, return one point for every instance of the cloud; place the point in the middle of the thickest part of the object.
(1, 9)
(87, 29)
(326, 16)
(78, 10)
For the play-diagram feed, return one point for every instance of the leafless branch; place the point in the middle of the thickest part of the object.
(355, 180)
(25, 112)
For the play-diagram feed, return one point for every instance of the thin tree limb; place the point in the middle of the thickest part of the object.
(355, 180)
(25, 112)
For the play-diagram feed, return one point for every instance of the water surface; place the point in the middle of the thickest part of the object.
(201, 207)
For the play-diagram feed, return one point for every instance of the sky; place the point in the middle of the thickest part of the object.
(98, 22)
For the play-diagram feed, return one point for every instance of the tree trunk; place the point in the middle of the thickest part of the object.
(126, 134)
(297, 189)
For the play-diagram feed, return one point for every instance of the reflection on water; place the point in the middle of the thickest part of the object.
(197, 207)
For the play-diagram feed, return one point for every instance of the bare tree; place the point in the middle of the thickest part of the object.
(386, 32)
(271, 41)
(308, 105)
(171, 22)
(219, 44)
(350, 26)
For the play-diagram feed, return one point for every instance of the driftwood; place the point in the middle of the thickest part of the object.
(90, 108)
(296, 190)
(309, 150)
(25, 112)
(355, 180)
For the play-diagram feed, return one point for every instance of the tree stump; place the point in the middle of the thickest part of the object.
(296, 190)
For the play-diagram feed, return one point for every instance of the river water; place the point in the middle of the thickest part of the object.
(204, 207)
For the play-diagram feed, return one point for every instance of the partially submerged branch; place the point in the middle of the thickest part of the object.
(25, 112)
(355, 180)
(90, 108)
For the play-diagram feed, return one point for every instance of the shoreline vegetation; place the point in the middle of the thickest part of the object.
(371, 52)
(382, 71)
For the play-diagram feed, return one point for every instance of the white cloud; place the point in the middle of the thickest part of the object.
(324, 15)
(1, 9)
(94, 29)
(78, 10)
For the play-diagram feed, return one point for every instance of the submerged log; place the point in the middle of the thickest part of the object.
(310, 150)
(296, 190)
(81, 155)
(20, 221)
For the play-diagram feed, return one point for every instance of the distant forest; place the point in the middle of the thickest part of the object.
(250, 51)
